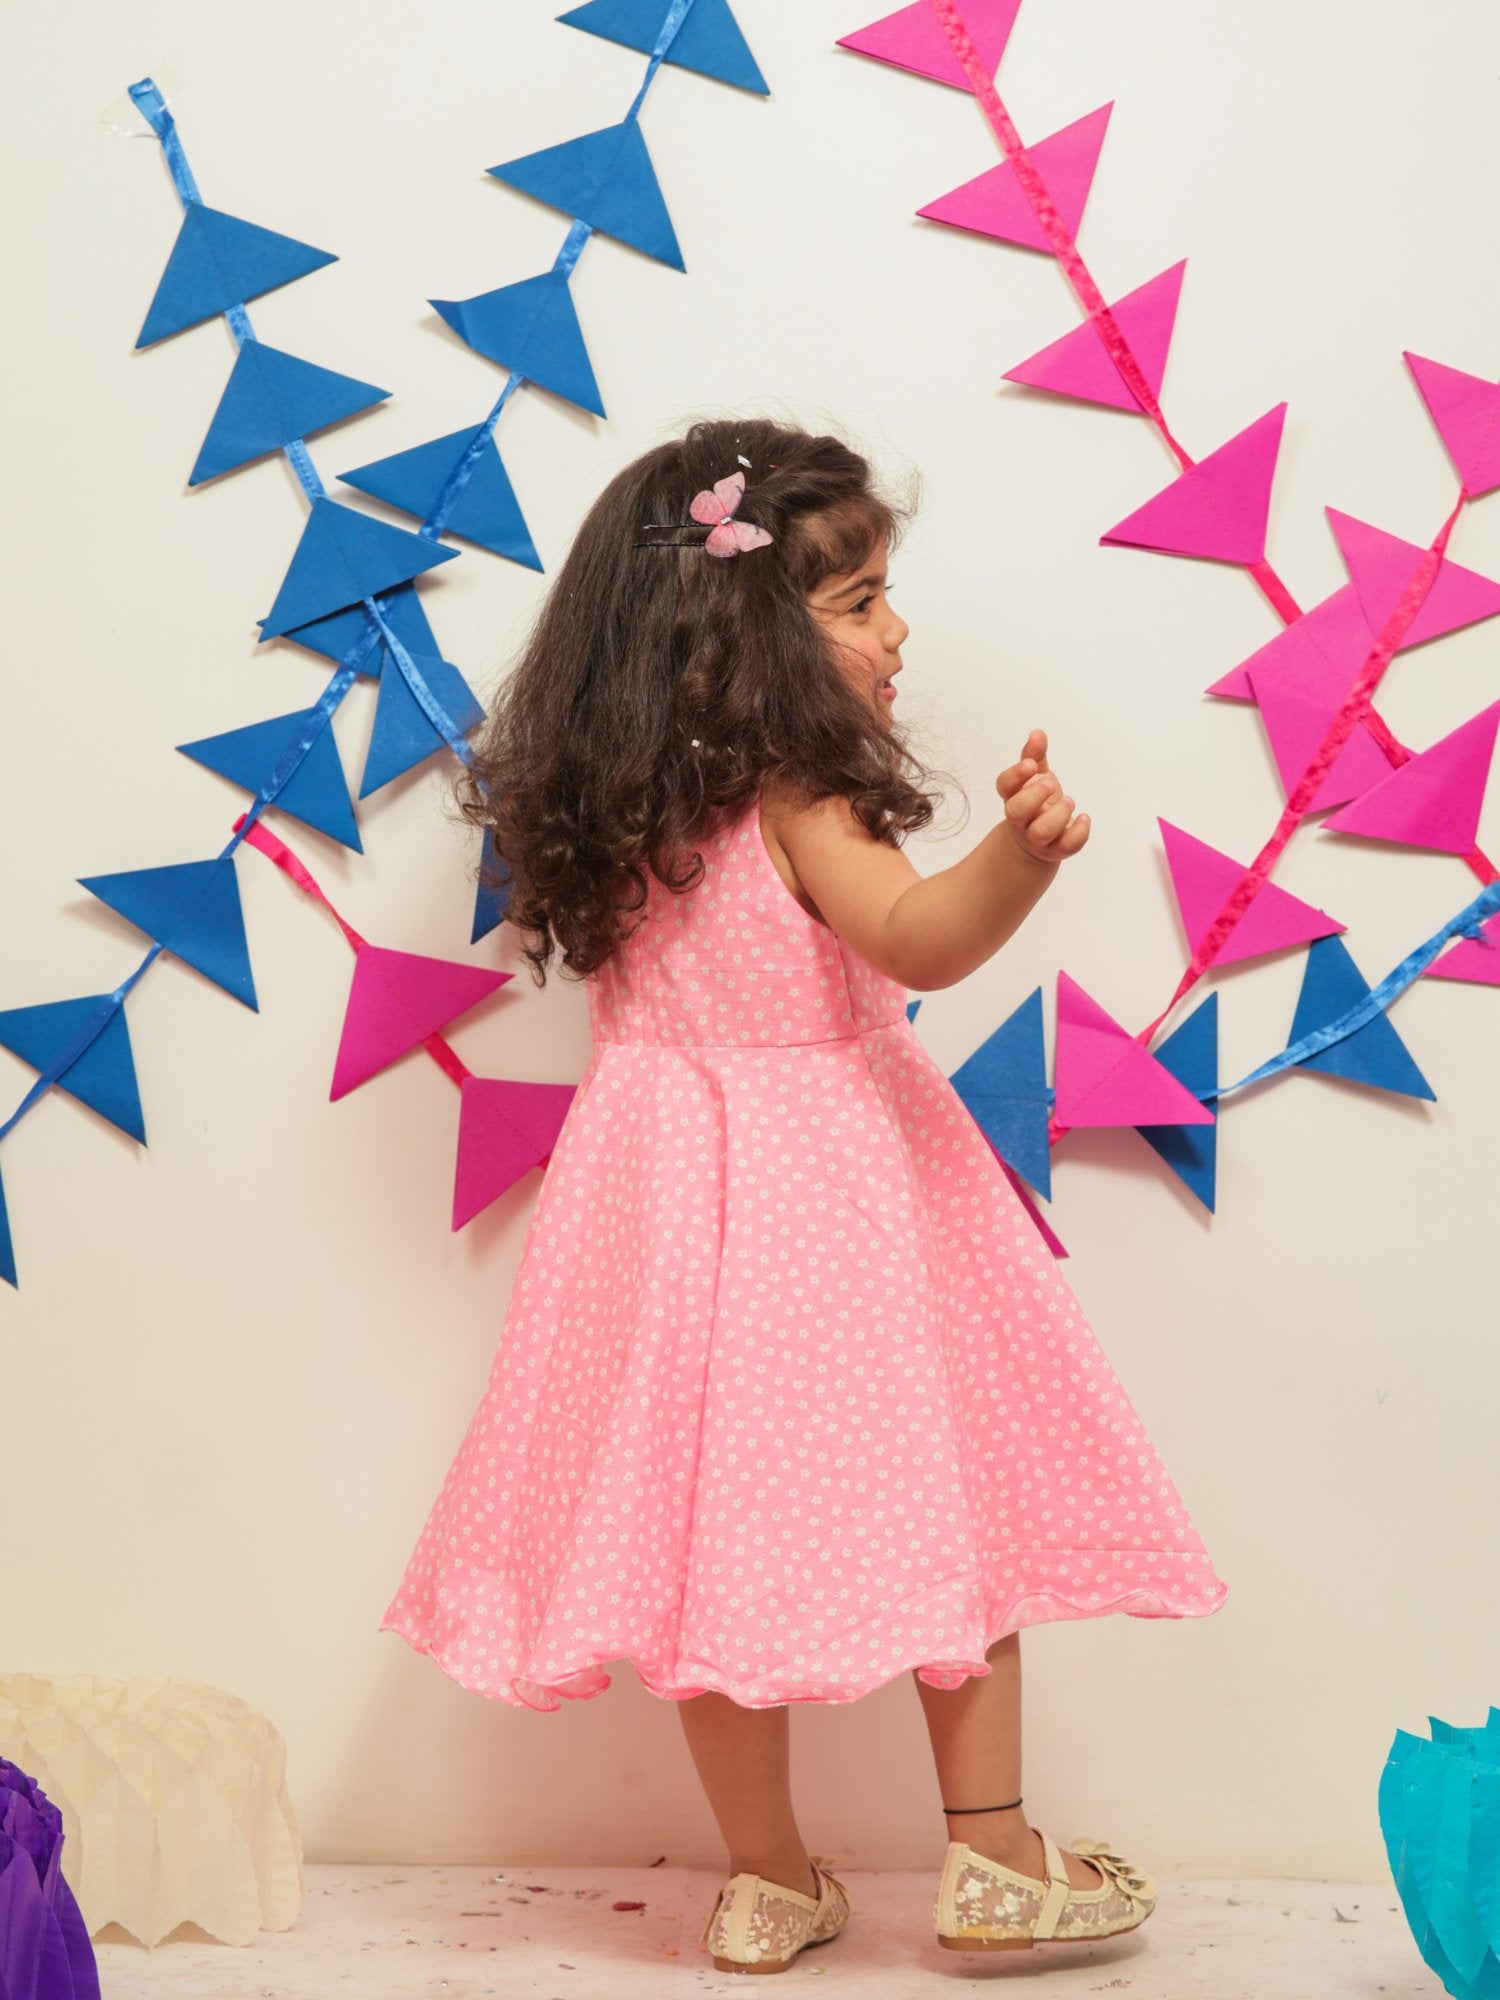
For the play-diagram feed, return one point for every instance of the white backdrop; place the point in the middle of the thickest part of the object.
(242, 1359)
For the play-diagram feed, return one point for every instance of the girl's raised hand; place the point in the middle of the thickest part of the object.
(1038, 812)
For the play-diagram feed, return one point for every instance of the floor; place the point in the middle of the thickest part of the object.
(559, 1934)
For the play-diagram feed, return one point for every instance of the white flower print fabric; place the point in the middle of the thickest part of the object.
(790, 1398)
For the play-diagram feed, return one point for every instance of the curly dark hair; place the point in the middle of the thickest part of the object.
(585, 773)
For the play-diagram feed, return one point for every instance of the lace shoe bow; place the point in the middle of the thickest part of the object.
(1116, 1870)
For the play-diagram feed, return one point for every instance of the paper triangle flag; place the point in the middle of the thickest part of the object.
(709, 40)
(1299, 693)
(219, 261)
(334, 635)
(1004, 1086)
(605, 179)
(1105, 1077)
(532, 329)
(396, 1000)
(1476, 959)
(993, 203)
(270, 399)
(7, 1251)
(1048, 1235)
(1080, 365)
(103, 1077)
(1203, 880)
(491, 898)
(504, 1130)
(191, 909)
(487, 511)
(1219, 508)
(343, 557)
(1466, 410)
(316, 793)
(1381, 566)
(1374, 1054)
(403, 734)
(1191, 1053)
(1434, 799)
(913, 39)
(1331, 634)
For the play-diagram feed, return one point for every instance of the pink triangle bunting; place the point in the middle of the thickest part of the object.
(1219, 507)
(1299, 694)
(913, 39)
(504, 1130)
(396, 1000)
(1434, 799)
(1332, 634)
(1381, 566)
(1473, 959)
(1466, 410)
(1203, 880)
(1105, 1077)
(993, 203)
(1080, 365)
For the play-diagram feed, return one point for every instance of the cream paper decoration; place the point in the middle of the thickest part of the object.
(173, 1797)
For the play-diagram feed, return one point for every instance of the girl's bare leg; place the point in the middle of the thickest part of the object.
(743, 1761)
(976, 1745)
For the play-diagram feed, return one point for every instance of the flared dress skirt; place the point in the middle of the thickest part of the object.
(791, 1398)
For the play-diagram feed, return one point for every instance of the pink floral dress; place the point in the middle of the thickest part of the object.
(790, 1398)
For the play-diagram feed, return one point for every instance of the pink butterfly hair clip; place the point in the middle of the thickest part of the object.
(716, 508)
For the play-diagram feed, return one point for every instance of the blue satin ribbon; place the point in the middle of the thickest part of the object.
(1470, 921)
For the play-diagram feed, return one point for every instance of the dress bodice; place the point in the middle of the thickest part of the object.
(737, 962)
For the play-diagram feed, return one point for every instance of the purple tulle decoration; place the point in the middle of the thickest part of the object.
(45, 1949)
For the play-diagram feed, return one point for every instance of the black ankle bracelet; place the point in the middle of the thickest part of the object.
(969, 1809)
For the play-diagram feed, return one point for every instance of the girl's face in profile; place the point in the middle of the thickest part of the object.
(866, 632)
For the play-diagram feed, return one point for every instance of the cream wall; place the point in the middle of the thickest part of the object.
(242, 1359)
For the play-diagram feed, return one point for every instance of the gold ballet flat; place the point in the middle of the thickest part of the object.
(760, 1926)
(983, 1906)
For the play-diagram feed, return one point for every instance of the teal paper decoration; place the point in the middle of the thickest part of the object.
(1439, 1804)
(271, 399)
(103, 1076)
(487, 510)
(316, 792)
(709, 40)
(217, 262)
(190, 908)
(605, 179)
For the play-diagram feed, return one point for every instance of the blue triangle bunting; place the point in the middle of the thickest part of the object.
(911, 1008)
(491, 902)
(403, 734)
(7, 1252)
(1374, 1054)
(1004, 1085)
(192, 909)
(271, 398)
(103, 1077)
(316, 793)
(334, 635)
(532, 329)
(219, 261)
(1191, 1053)
(342, 558)
(709, 40)
(605, 179)
(487, 511)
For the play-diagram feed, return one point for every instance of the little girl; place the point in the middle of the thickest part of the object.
(791, 1397)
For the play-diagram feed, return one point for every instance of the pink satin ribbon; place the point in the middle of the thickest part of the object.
(261, 837)
(1356, 707)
